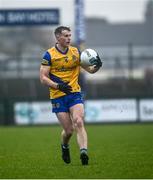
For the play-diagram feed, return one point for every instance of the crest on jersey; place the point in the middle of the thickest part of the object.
(74, 58)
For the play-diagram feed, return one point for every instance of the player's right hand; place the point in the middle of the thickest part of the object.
(64, 87)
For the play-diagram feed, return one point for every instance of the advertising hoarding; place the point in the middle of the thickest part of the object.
(30, 17)
(111, 110)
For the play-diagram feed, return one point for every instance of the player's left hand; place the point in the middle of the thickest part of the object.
(96, 62)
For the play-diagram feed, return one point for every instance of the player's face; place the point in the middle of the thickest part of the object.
(64, 39)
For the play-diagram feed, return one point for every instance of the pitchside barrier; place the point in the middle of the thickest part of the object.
(96, 111)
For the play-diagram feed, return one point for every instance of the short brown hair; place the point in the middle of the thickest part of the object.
(59, 30)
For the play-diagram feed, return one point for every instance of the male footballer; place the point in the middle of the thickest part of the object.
(60, 70)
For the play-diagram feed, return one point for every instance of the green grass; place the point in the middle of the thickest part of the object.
(116, 151)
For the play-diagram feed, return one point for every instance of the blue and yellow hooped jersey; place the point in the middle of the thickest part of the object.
(64, 67)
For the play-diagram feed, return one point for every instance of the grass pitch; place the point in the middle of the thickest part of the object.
(115, 151)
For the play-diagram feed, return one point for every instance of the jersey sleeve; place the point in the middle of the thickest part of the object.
(46, 59)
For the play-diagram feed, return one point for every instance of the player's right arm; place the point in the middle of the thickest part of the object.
(45, 70)
(44, 77)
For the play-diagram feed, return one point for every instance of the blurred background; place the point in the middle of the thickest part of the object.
(121, 31)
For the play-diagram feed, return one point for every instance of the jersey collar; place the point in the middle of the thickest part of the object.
(62, 52)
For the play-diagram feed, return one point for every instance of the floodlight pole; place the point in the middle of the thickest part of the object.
(79, 24)
(130, 60)
(80, 34)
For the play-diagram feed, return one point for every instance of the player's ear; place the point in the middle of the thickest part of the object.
(57, 37)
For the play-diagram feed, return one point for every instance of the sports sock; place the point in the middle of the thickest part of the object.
(65, 146)
(83, 150)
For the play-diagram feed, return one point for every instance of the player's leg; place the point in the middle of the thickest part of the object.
(65, 121)
(77, 113)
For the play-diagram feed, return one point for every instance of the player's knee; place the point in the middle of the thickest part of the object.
(79, 122)
(69, 132)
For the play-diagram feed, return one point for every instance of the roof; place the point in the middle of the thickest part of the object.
(102, 33)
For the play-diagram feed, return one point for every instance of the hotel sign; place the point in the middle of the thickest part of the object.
(21, 17)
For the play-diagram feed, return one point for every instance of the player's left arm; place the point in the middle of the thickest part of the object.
(91, 69)
(96, 64)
